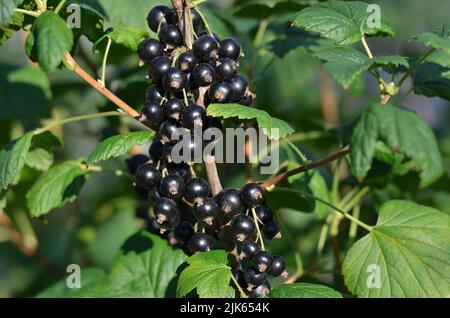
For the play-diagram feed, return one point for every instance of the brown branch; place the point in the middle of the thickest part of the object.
(385, 99)
(277, 179)
(183, 8)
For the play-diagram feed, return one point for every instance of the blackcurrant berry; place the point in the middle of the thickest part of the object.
(206, 48)
(156, 17)
(207, 211)
(153, 194)
(226, 69)
(153, 114)
(271, 230)
(247, 100)
(254, 278)
(141, 212)
(153, 226)
(182, 170)
(197, 190)
(172, 187)
(252, 195)
(200, 242)
(187, 62)
(262, 261)
(174, 80)
(184, 232)
(264, 214)
(147, 176)
(155, 94)
(170, 36)
(134, 162)
(149, 50)
(156, 149)
(141, 193)
(173, 109)
(249, 249)
(230, 48)
(167, 153)
(203, 75)
(170, 237)
(158, 67)
(278, 267)
(206, 32)
(193, 115)
(239, 86)
(240, 278)
(220, 92)
(243, 227)
(166, 130)
(197, 21)
(165, 210)
(229, 201)
(260, 291)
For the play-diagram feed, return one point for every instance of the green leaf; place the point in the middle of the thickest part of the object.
(41, 155)
(56, 188)
(7, 8)
(52, 39)
(119, 145)
(31, 76)
(129, 37)
(280, 128)
(292, 199)
(12, 159)
(303, 290)
(345, 22)
(410, 250)
(3, 200)
(439, 39)
(14, 25)
(390, 60)
(217, 23)
(209, 274)
(261, 9)
(405, 133)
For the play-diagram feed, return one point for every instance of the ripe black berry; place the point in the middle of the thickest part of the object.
(134, 162)
(200, 242)
(207, 211)
(252, 195)
(247, 100)
(153, 194)
(197, 21)
(206, 32)
(271, 230)
(203, 75)
(147, 176)
(260, 291)
(174, 80)
(170, 36)
(156, 149)
(141, 193)
(193, 115)
(173, 109)
(243, 227)
(158, 67)
(220, 92)
(206, 48)
(156, 17)
(184, 232)
(230, 48)
(155, 94)
(240, 277)
(262, 261)
(239, 86)
(166, 130)
(226, 69)
(229, 201)
(278, 267)
(165, 210)
(172, 187)
(254, 278)
(150, 49)
(153, 114)
(249, 249)
(264, 214)
(187, 62)
(153, 226)
(197, 190)
(182, 170)
(170, 237)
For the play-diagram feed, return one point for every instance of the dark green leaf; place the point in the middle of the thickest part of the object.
(303, 290)
(41, 154)
(439, 39)
(261, 9)
(14, 25)
(7, 11)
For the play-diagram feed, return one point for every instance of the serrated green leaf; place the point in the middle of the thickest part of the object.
(56, 188)
(345, 22)
(439, 39)
(14, 25)
(117, 146)
(304, 290)
(405, 255)
(261, 9)
(52, 39)
(274, 128)
(390, 60)
(126, 36)
(7, 8)
(41, 155)
(12, 159)
(209, 274)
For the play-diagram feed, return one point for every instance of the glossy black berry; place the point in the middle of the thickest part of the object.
(206, 48)
(252, 195)
(197, 21)
(260, 291)
(278, 266)
(226, 69)
(197, 190)
(249, 249)
(247, 100)
(240, 278)
(158, 67)
(165, 210)
(141, 212)
(134, 162)
(203, 75)
(230, 48)
(182, 170)
(169, 236)
(153, 226)
(172, 187)
(243, 227)
(147, 176)
(153, 194)
(155, 94)
(271, 230)
(174, 80)
(173, 109)
(141, 193)
(264, 214)
(229, 201)
(156, 149)
(170, 36)
(254, 278)
(207, 211)
(262, 261)
(167, 153)
(187, 62)
(150, 49)
(239, 86)
(184, 232)
(193, 115)
(220, 92)
(200, 242)
(157, 17)
(166, 130)
(153, 114)
(206, 32)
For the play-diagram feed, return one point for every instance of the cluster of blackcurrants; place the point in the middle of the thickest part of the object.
(184, 210)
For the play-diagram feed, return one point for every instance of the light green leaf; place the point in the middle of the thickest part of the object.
(390, 60)
(303, 290)
(14, 25)
(405, 255)
(209, 274)
(129, 37)
(41, 154)
(7, 11)
(274, 128)
(32, 76)
(345, 22)
(117, 146)
(439, 39)
(56, 188)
